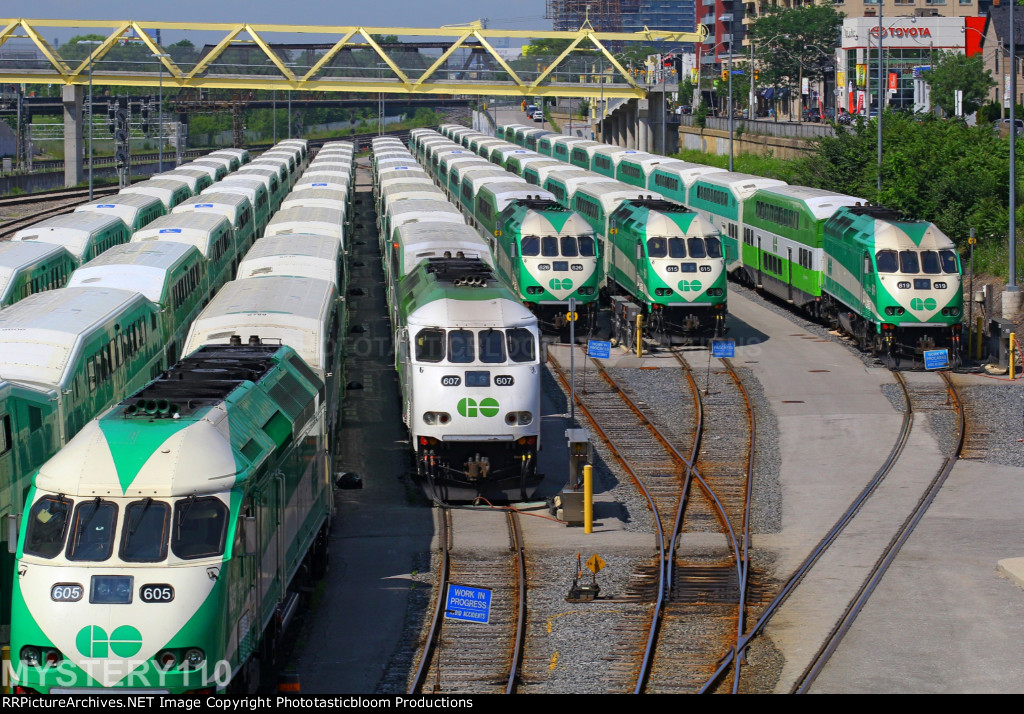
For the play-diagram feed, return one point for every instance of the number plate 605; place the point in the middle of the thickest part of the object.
(159, 592)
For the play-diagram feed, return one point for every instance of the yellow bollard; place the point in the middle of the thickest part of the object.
(588, 499)
(1013, 354)
(977, 341)
(639, 337)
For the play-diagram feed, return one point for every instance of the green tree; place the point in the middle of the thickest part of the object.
(795, 43)
(953, 71)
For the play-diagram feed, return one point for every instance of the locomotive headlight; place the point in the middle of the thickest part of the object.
(53, 658)
(167, 659)
(900, 311)
(194, 658)
(890, 310)
(525, 418)
(30, 656)
(954, 311)
(510, 418)
(429, 418)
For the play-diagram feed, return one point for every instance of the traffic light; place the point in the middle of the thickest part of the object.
(668, 61)
(757, 74)
(725, 75)
(110, 117)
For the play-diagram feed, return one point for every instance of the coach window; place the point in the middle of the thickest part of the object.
(144, 534)
(92, 530)
(909, 262)
(200, 527)
(549, 246)
(460, 346)
(492, 346)
(886, 261)
(521, 346)
(430, 345)
(531, 246)
(47, 526)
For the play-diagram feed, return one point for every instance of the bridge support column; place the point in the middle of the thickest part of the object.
(643, 134)
(74, 118)
(631, 125)
(620, 127)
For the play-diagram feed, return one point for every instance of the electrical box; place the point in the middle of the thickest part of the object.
(579, 455)
(999, 340)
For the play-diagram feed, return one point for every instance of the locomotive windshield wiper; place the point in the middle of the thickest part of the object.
(95, 510)
(146, 504)
(184, 511)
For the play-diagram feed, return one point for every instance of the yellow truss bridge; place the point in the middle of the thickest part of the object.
(448, 60)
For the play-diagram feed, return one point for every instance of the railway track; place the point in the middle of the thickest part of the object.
(62, 202)
(695, 489)
(922, 394)
(469, 658)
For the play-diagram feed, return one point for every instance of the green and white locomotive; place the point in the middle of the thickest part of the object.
(893, 283)
(159, 545)
(548, 254)
(669, 260)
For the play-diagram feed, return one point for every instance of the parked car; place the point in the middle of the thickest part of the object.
(812, 114)
(530, 109)
(1002, 127)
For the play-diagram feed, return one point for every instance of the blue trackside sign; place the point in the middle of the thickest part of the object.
(598, 349)
(723, 348)
(936, 359)
(468, 603)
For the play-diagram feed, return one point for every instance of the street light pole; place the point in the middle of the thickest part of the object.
(728, 18)
(881, 88)
(90, 126)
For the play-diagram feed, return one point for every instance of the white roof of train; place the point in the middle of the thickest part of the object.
(42, 334)
(296, 311)
(143, 267)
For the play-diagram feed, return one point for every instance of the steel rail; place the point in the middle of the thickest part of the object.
(826, 541)
(435, 623)
(690, 470)
(741, 553)
(892, 550)
(515, 527)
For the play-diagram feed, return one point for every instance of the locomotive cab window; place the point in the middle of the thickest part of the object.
(530, 246)
(909, 262)
(92, 531)
(47, 526)
(521, 345)
(657, 247)
(677, 248)
(948, 259)
(930, 262)
(886, 261)
(200, 528)
(696, 246)
(144, 535)
(714, 246)
(460, 346)
(430, 345)
(492, 347)
(549, 246)
(586, 244)
(569, 247)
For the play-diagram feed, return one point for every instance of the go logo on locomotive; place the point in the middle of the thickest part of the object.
(469, 407)
(560, 284)
(919, 304)
(92, 641)
(689, 285)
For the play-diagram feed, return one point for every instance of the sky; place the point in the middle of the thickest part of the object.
(501, 14)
